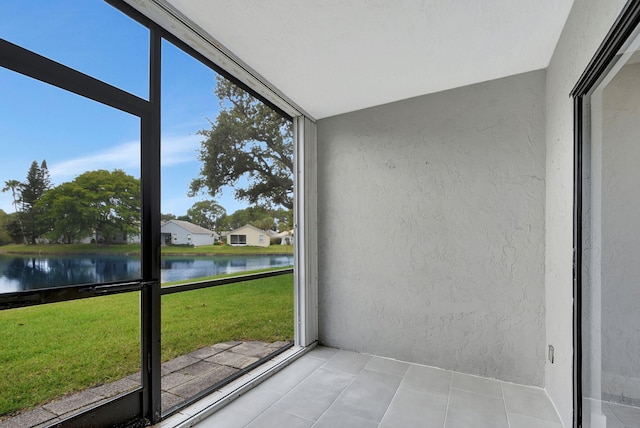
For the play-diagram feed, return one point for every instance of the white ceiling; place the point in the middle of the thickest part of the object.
(336, 56)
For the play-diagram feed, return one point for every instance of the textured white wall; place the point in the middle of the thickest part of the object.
(431, 229)
(585, 29)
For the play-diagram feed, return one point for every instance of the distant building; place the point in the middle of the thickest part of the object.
(283, 238)
(116, 238)
(180, 232)
(248, 235)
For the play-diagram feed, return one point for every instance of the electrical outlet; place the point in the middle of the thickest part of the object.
(551, 356)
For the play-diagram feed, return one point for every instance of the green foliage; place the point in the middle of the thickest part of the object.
(262, 218)
(5, 236)
(25, 196)
(249, 140)
(67, 212)
(37, 182)
(208, 214)
(265, 223)
(284, 219)
(114, 199)
(255, 216)
(101, 201)
(35, 185)
(13, 227)
(15, 187)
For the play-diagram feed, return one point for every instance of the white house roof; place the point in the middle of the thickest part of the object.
(336, 56)
(189, 227)
(284, 233)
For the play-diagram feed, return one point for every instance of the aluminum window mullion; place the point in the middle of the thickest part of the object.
(20, 299)
(150, 245)
(305, 232)
(23, 61)
(222, 281)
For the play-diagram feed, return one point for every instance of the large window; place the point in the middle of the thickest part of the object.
(81, 35)
(100, 256)
(70, 177)
(72, 270)
(227, 162)
(239, 239)
(61, 357)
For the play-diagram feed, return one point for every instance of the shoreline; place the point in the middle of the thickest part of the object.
(39, 251)
(53, 253)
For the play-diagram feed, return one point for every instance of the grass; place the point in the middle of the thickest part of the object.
(225, 275)
(71, 249)
(51, 350)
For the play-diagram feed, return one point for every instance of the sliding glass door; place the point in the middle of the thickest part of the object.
(608, 233)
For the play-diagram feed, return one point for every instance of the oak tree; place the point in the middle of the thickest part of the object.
(207, 214)
(249, 146)
(97, 202)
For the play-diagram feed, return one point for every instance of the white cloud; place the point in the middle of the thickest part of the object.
(124, 156)
(175, 150)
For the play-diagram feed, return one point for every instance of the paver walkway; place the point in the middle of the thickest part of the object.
(182, 378)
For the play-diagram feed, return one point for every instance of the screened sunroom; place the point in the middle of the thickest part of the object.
(451, 177)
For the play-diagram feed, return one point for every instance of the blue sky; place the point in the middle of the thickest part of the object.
(74, 134)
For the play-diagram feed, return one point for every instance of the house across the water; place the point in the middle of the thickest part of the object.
(180, 232)
(248, 235)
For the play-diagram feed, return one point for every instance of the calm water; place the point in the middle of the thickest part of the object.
(27, 273)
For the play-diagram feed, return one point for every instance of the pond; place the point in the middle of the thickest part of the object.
(18, 273)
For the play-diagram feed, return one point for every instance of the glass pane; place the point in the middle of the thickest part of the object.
(58, 358)
(611, 247)
(202, 204)
(207, 122)
(89, 36)
(213, 333)
(70, 200)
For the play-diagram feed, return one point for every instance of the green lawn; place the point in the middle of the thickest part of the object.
(54, 349)
(135, 249)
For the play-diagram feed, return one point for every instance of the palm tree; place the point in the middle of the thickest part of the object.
(15, 186)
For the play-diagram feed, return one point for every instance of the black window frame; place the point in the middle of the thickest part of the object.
(141, 404)
(602, 62)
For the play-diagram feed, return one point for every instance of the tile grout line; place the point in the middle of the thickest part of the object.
(606, 403)
(262, 412)
(557, 420)
(504, 404)
(281, 396)
(339, 395)
(446, 412)
(394, 396)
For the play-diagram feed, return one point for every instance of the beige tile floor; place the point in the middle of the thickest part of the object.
(333, 388)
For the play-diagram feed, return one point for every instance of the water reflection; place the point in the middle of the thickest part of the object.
(179, 268)
(28, 273)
